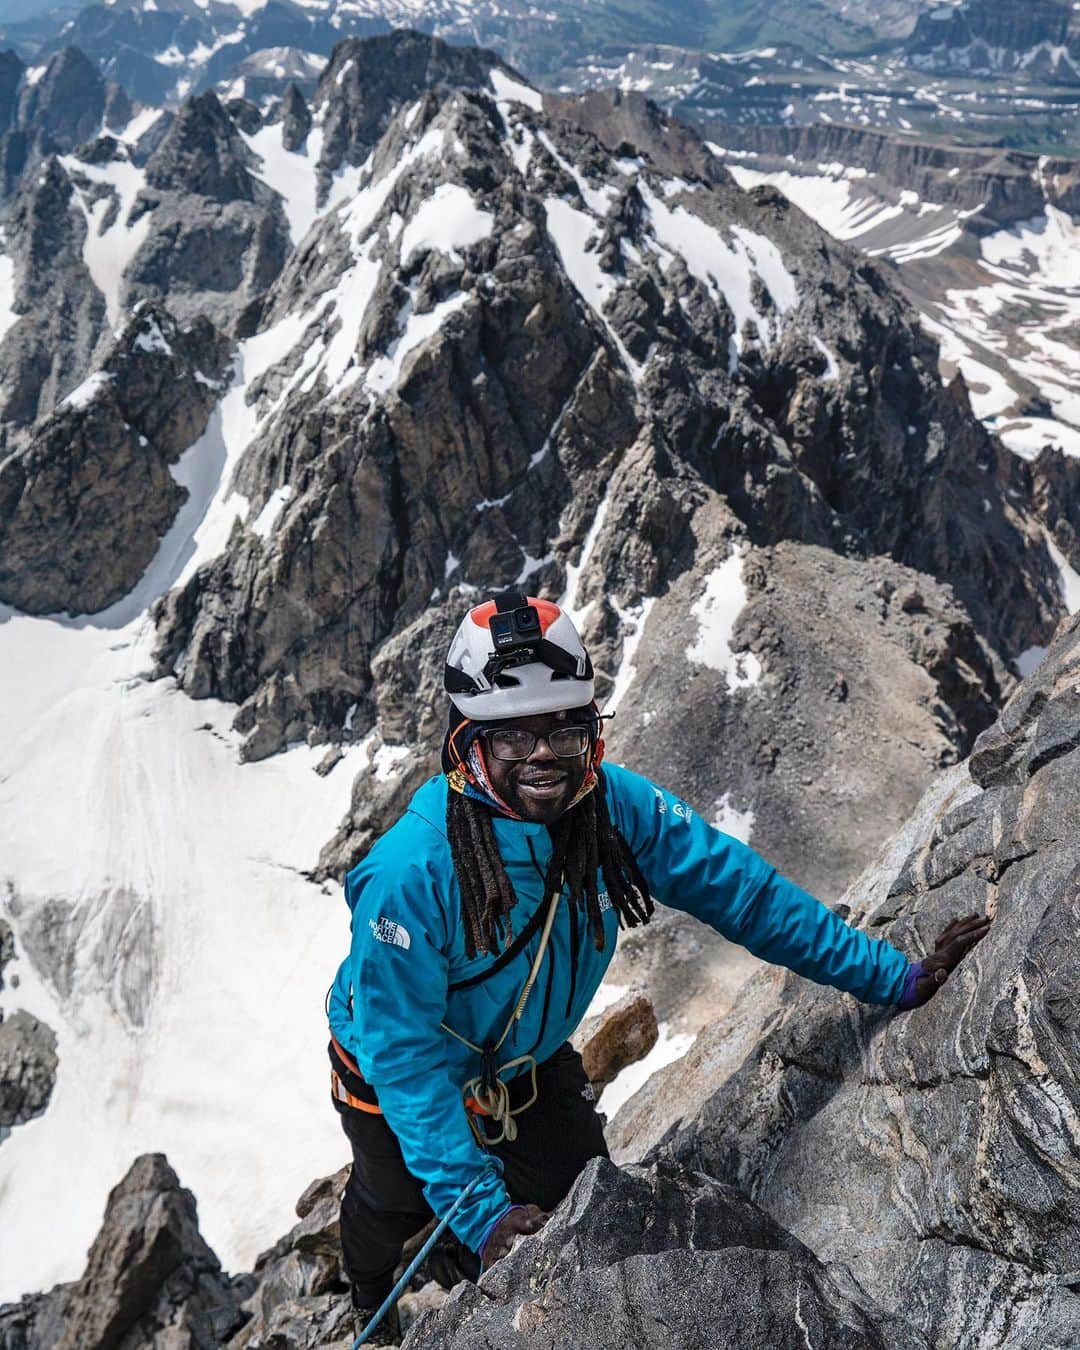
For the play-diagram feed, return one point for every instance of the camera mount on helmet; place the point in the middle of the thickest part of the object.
(517, 636)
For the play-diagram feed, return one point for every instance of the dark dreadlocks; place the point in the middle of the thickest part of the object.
(584, 841)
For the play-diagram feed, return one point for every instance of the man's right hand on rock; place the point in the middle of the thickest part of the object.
(953, 944)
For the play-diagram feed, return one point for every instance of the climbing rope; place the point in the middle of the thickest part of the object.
(417, 1261)
(490, 1093)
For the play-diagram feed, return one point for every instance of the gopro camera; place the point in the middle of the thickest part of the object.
(515, 628)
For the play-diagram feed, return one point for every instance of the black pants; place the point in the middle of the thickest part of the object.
(383, 1205)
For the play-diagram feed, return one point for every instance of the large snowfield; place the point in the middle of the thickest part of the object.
(128, 799)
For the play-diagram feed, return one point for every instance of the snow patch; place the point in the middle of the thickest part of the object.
(725, 270)
(108, 252)
(716, 611)
(153, 340)
(832, 370)
(265, 521)
(386, 759)
(572, 231)
(8, 317)
(416, 329)
(289, 173)
(669, 1047)
(448, 220)
(89, 390)
(633, 622)
(509, 90)
(139, 125)
(726, 817)
(1068, 577)
(569, 601)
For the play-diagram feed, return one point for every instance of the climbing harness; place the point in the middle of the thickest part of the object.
(417, 1261)
(488, 1090)
(488, 1093)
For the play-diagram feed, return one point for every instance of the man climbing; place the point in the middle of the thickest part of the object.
(482, 924)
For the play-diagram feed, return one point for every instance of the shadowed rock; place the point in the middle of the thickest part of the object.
(27, 1068)
(150, 1279)
(84, 506)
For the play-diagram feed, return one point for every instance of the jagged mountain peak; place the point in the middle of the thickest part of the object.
(66, 102)
(366, 81)
(694, 307)
(202, 152)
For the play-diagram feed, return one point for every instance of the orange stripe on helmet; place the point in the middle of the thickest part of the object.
(547, 612)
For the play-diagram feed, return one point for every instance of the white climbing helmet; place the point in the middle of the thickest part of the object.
(514, 656)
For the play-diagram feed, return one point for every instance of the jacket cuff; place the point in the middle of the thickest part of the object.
(491, 1228)
(908, 997)
(485, 1208)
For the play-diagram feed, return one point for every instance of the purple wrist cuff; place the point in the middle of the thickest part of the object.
(491, 1228)
(909, 998)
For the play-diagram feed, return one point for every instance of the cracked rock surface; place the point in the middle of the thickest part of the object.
(937, 1153)
(664, 1258)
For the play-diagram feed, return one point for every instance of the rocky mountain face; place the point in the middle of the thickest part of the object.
(508, 333)
(84, 506)
(982, 242)
(934, 1155)
(818, 1170)
(1004, 186)
(1039, 41)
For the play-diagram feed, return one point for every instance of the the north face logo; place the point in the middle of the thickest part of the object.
(385, 930)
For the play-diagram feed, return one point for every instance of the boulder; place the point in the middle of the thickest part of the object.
(661, 1258)
(150, 1279)
(620, 1035)
(28, 1063)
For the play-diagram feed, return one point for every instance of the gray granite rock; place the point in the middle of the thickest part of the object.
(150, 1279)
(661, 1258)
(935, 1153)
(83, 507)
(217, 236)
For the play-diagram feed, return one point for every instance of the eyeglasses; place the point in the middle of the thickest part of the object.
(517, 743)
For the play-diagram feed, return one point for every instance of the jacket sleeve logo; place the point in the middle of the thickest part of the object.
(386, 930)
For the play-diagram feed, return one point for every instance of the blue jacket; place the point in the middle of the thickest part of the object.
(408, 945)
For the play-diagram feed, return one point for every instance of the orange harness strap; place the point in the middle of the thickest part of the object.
(342, 1093)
